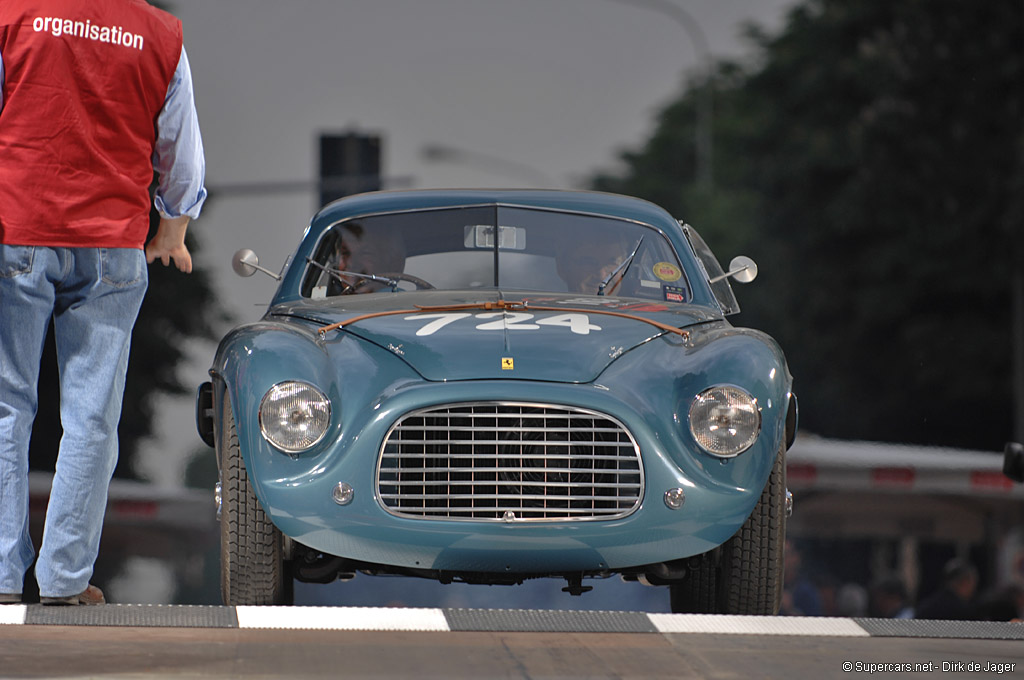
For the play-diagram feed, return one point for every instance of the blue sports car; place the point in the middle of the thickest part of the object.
(490, 386)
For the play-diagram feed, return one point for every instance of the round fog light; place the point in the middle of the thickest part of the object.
(674, 498)
(343, 493)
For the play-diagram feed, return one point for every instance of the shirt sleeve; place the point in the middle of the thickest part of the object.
(178, 154)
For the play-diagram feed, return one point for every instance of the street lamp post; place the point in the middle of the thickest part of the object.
(495, 164)
(705, 102)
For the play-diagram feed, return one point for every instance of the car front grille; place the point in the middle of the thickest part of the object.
(509, 462)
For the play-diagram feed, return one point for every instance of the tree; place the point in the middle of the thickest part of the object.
(871, 158)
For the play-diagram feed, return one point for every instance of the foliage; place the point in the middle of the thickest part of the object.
(871, 158)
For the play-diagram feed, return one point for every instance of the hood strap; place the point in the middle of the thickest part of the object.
(507, 306)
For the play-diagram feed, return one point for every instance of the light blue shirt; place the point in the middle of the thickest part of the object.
(178, 153)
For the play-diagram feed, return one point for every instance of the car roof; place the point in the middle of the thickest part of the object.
(615, 205)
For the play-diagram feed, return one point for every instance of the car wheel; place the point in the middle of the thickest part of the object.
(252, 565)
(744, 575)
(698, 594)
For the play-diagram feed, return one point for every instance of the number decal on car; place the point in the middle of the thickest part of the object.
(513, 321)
(440, 321)
(577, 323)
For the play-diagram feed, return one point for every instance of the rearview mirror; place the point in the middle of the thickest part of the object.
(482, 236)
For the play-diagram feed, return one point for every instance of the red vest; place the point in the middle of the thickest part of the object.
(84, 83)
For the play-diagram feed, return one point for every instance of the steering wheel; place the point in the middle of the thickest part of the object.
(397, 276)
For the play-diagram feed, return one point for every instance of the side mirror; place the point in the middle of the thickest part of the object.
(742, 268)
(246, 263)
(1013, 461)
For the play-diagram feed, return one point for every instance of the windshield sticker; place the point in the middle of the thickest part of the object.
(510, 321)
(674, 294)
(666, 271)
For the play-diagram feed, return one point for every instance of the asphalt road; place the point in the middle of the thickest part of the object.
(522, 644)
(56, 652)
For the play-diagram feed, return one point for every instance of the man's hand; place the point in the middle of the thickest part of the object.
(169, 244)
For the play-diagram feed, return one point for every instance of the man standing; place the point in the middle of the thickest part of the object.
(93, 97)
(954, 600)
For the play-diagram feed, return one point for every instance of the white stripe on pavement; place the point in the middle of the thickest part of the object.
(12, 614)
(756, 625)
(342, 618)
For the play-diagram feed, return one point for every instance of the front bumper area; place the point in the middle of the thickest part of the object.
(298, 495)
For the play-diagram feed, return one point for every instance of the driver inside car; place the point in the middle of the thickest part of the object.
(587, 263)
(361, 253)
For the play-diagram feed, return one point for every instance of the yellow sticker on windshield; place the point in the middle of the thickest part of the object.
(666, 271)
(508, 364)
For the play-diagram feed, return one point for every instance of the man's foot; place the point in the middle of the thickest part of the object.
(10, 598)
(90, 596)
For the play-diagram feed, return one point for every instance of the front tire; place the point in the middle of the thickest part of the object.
(745, 574)
(252, 564)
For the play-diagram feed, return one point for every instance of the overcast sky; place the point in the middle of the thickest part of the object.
(557, 86)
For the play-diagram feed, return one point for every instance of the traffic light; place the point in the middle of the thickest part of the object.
(349, 164)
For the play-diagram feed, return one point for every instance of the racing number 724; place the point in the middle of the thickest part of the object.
(512, 321)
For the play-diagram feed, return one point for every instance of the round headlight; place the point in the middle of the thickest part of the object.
(294, 416)
(725, 420)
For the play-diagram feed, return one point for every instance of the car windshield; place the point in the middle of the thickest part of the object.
(495, 246)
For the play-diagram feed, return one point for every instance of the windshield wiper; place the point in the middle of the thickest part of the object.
(338, 273)
(621, 268)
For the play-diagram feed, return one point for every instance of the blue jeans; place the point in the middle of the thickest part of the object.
(94, 297)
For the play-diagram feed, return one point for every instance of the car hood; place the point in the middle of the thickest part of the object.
(472, 335)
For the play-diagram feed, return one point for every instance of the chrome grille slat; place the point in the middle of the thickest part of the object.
(415, 457)
(525, 513)
(474, 428)
(504, 461)
(485, 496)
(496, 442)
(471, 482)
